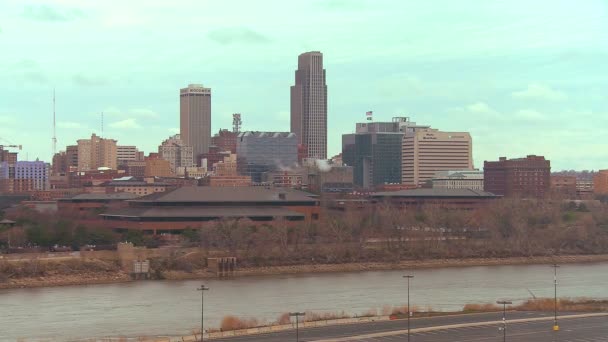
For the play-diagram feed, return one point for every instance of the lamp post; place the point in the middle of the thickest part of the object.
(555, 326)
(203, 288)
(408, 277)
(297, 316)
(504, 319)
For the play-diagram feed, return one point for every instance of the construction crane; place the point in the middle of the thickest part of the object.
(11, 146)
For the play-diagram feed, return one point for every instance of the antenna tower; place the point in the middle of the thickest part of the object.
(236, 122)
(101, 124)
(54, 126)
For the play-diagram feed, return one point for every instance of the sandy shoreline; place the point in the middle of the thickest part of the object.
(91, 278)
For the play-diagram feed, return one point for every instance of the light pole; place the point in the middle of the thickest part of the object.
(555, 326)
(408, 277)
(504, 319)
(297, 316)
(203, 288)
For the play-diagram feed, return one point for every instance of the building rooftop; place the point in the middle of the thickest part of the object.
(207, 194)
(118, 196)
(434, 193)
(202, 212)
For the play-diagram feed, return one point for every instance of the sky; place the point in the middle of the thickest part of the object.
(523, 77)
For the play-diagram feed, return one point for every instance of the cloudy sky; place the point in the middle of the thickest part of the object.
(524, 77)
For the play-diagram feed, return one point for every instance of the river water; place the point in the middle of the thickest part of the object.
(173, 307)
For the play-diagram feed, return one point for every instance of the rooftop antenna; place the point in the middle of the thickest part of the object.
(102, 124)
(54, 126)
(236, 122)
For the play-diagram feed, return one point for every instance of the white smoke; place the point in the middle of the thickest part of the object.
(323, 165)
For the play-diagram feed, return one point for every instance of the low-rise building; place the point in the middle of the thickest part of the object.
(461, 179)
(195, 207)
(462, 199)
(229, 181)
(565, 185)
(521, 177)
(600, 182)
(135, 186)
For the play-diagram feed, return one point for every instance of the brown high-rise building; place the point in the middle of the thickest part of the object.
(521, 177)
(427, 151)
(71, 154)
(309, 105)
(60, 163)
(195, 118)
(96, 152)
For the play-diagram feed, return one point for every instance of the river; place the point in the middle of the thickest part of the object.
(173, 307)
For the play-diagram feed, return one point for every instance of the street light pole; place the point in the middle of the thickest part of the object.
(203, 288)
(408, 277)
(555, 326)
(504, 318)
(297, 316)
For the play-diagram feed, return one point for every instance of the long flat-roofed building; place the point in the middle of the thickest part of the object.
(193, 207)
(427, 151)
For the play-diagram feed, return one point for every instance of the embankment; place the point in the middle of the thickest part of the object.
(80, 271)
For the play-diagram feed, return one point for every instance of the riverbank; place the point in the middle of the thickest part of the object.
(106, 277)
(402, 265)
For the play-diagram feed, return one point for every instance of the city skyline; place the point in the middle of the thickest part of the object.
(526, 74)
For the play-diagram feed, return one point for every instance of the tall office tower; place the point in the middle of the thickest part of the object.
(176, 152)
(96, 152)
(374, 151)
(195, 118)
(427, 151)
(309, 105)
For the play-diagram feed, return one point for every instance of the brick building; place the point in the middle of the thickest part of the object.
(521, 177)
(600, 182)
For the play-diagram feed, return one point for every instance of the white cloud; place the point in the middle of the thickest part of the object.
(530, 114)
(69, 125)
(7, 120)
(540, 92)
(480, 107)
(131, 113)
(126, 124)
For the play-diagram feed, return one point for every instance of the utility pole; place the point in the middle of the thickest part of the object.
(297, 316)
(203, 288)
(409, 313)
(555, 326)
(504, 319)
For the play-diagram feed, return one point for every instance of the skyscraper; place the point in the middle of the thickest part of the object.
(195, 118)
(309, 104)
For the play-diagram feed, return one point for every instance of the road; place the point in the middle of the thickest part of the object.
(593, 327)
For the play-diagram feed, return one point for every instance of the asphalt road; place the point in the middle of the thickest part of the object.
(591, 329)
(490, 333)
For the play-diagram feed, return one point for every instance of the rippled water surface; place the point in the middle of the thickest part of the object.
(173, 307)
